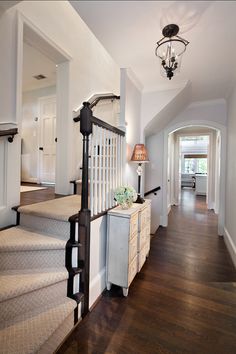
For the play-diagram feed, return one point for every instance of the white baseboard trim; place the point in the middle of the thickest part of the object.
(96, 287)
(29, 180)
(164, 220)
(230, 245)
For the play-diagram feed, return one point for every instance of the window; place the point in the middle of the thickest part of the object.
(195, 165)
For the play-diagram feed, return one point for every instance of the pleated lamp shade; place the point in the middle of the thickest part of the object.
(140, 154)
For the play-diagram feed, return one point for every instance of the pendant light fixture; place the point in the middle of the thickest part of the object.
(170, 50)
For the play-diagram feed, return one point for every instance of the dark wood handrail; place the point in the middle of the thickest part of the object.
(154, 190)
(95, 102)
(104, 125)
(107, 126)
(10, 133)
(101, 98)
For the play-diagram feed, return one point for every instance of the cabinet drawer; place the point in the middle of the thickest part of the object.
(142, 219)
(133, 248)
(132, 270)
(141, 258)
(145, 217)
(133, 225)
(142, 239)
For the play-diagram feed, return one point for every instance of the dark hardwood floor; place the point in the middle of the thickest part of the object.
(37, 196)
(183, 300)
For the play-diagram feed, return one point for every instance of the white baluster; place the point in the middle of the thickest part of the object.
(100, 170)
(110, 169)
(92, 174)
(104, 170)
(95, 169)
(107, 169)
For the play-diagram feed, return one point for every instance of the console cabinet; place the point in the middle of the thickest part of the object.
(128, 243)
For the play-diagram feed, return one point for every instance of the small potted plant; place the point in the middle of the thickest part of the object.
(125, 196)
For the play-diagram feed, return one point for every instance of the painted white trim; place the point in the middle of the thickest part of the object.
(96, 286)
(58, 55)
(6, 123)
(167, 87)
(230, 246)
(30, 180)
(207, 102)
(197, 123)
(132, 76)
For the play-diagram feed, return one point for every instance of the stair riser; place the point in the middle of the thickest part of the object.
(56, 228)
(32, 259)
(9, 309)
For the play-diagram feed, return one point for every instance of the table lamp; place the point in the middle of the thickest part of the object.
(139, 156)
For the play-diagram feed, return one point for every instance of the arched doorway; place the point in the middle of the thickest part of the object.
(221, 200)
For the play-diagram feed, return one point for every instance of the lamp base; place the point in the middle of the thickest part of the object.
(139, 200)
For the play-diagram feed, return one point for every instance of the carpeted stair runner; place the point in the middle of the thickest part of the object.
(36, 314)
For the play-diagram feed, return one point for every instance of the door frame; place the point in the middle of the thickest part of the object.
(177, 181)
(29, 32)
(222, 184)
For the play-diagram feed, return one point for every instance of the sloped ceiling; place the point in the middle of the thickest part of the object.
(129, 31)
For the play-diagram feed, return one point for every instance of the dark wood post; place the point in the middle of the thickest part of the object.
(84, 213)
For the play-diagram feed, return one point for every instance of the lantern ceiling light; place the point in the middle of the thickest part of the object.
(170, 50)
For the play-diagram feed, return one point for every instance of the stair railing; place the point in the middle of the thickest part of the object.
(102, 167)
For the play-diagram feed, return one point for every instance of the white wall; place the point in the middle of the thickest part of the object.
(91, 70)
(230, 219)
(155, 115)
(153, 102)
(30, 132)
(130, 117)
(212, 111)
(97, 258)
(153, 177)
(206, 113)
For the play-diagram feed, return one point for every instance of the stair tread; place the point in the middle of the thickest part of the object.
(22, 239)
(27, 333)
(18, 282)
(59, 209)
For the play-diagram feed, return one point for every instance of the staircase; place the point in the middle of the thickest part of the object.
(40, 300)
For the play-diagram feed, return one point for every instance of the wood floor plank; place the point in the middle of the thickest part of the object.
(182, 301)
(37, 196)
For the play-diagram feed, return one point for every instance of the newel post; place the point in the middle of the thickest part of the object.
(85, 213)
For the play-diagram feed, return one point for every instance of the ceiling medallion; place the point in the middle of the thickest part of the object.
(170, 50)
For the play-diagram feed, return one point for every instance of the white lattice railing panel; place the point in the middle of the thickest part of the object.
(106, 164)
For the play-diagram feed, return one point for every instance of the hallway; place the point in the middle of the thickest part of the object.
(183, 300)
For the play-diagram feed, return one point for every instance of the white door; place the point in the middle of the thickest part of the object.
(47, 148)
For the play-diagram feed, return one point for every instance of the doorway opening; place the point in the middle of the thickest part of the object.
(38, 132)
(43, 107)
(194, 168)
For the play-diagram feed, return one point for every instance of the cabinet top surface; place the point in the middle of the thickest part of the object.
(127, 213)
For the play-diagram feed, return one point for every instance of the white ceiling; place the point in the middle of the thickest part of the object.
(35, 63)
(129, 31)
